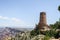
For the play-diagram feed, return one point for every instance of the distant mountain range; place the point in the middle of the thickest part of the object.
(12, 31)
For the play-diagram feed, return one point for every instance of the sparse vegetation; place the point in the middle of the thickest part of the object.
(35, 32)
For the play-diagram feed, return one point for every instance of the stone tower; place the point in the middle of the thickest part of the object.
(42, 25)
(42, 19)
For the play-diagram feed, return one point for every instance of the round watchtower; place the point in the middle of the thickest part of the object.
(42, 25)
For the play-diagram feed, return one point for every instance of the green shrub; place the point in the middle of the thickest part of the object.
(46, 38)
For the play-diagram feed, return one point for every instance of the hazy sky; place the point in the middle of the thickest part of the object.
(25, 13)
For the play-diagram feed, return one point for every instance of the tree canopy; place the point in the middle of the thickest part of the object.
(59, 8)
